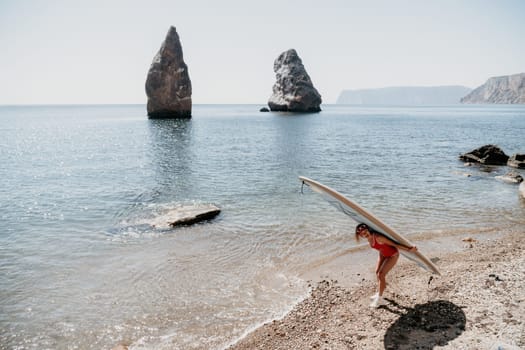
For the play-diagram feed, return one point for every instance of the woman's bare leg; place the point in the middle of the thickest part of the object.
(386, 265)
(380, 261)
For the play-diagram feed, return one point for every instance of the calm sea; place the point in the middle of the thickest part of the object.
(81, 268)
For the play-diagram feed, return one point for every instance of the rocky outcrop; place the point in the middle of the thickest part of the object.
(486, 155)
(404, 95)
(517, 161)
(168, 84)
(506, 89)
(293, 90)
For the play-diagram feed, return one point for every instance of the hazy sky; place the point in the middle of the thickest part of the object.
(67, 51)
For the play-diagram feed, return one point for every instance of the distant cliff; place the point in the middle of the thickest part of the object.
(404, 95)
(505, 89)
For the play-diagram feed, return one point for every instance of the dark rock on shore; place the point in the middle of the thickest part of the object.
(168, 84)
(504, 89)
(517, 161)
(293, 90)
(486, 155)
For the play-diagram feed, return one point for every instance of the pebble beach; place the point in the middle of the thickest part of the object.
(477, 303)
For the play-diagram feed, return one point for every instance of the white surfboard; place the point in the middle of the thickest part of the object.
(360, 215)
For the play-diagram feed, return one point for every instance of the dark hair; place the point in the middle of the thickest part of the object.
(359, 227)
(371, 230)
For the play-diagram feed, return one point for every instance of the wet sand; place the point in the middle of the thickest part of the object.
(477, 303)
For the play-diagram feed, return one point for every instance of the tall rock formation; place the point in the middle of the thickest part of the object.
(505, 89)
(293, 91)
(168, 84)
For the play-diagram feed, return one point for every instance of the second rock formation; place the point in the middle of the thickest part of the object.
(293, 91)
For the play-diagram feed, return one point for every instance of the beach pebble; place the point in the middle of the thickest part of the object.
(120, 347)
(503, 346)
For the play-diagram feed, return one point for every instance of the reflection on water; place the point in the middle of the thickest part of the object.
(171, 155)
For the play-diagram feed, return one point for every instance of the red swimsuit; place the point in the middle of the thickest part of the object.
(384, 249)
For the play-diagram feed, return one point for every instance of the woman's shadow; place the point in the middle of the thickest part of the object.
(425, 325)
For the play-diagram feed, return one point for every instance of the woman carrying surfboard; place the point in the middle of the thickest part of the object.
(388, 257)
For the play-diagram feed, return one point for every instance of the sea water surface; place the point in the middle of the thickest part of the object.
(82, 268)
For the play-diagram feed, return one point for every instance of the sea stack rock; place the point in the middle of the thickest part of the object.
(168, 84)
(506, 89)
(293, 91)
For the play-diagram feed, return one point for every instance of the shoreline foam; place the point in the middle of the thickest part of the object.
(478, 302)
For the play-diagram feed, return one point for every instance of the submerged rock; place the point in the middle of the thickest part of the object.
(293, 90)
(487, 155)
(168, 84)
(512, 178)
(186, 215)
(517, 161)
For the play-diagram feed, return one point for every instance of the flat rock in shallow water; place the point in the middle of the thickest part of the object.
(186, 215)
(522, 190)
